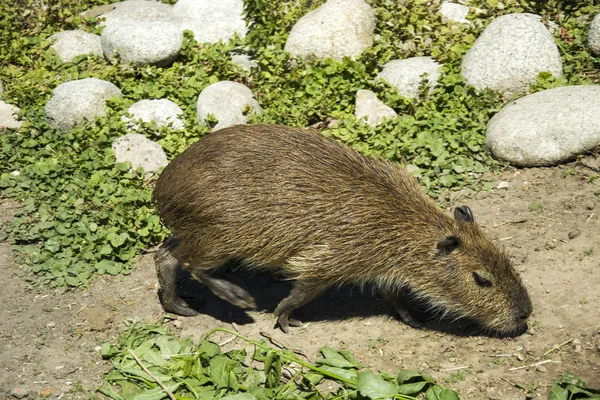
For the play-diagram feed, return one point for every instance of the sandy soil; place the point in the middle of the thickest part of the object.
(548, 219)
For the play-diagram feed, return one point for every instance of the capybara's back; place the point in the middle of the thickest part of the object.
(297, 203)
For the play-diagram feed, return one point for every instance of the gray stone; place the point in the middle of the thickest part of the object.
(337, 29)
(226, 100)
(510, 53)
(593, 37)
(19, 392)
(8, 116)
(157, 43)
(1, 88)
(137, 11)
(454, 12)
(211, 20)
(162, 112)
(406, 75)
(372, 109)
(70, 44)
(548, 127)
(244, 61)
(140, 151)
(74, 102)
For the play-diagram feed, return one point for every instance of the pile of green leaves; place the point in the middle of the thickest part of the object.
(256, 371)
(84, 215)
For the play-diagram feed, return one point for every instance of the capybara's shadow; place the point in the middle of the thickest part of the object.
(337, 303)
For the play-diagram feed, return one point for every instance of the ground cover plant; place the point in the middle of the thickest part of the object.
(83, 215)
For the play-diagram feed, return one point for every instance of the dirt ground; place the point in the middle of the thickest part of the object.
(548, 219)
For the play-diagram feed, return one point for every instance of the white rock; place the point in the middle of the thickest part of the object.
(593, 37)
(226, 100)
(372, 109)
(70, 44)
(140, 151)
(455, 12)
(8, 116)
(548, 127)
(510, 53)
(1, 88)
(157, 43)
(211, 20)
(337, 29)
(74, 102)
(135, 10)
(406, 75)
(244, 61)
(162, 112)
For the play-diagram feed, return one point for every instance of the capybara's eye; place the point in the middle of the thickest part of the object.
(482, 280)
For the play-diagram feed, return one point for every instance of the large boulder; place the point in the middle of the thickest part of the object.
(75, 102)
(593, 37)
(406, 75)
(211, 20)
(134, 10)
(157, 43)
(8, 116)
(510, 53)
(374, 111)
(226, 100)
(548, 127)
(140, 151)
(162, 112)
(337, 29)
(70, 44)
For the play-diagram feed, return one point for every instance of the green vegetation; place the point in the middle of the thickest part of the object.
(256, 371)
(83, 215)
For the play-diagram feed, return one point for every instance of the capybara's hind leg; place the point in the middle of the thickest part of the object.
(225, 289)
(302, 293)
(408, 314)
(167, 267)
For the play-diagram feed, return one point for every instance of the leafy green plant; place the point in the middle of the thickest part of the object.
(148, 361)
(570, 387)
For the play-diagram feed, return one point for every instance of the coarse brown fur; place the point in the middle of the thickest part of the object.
(297, 203)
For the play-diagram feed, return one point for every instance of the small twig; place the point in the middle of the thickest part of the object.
(231, 339)
(557, 347)
(162, 385)
(503, 355)
(533, 365)
(590, 217)
(277, 343)
(81, 309)
(505, 238)
(457, 368)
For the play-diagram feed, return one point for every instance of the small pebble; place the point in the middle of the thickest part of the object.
(502, 185)
(19, 392)
(46, 392)
(519, 348)
(51, 324)
(578, 348)
(574, 234)
(576, 341)
(520, 357)
(541, 368)
(97, 348)
(177, 323)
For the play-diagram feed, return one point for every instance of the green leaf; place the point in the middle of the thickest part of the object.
(439, 393)
(375, 387)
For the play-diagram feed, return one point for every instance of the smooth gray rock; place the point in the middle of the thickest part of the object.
(593, 37)
(157, 43)
(162, 112)
(211, 20)
(8, 116)
(337, 29)
(70, 44)
(510, 53)
(406, 75)
(140, 151)
(372, 109)
(135, 10)
(244, 61)
(548, 127)
(226, 100)
(74, 102)
(455, 12)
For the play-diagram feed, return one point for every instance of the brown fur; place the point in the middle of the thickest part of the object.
(298, 203)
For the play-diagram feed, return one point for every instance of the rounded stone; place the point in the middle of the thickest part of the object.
(137, 11)
(548, 127)
(226, 100)
(8, 116)
(75, 102)
(70, 44)
(337, 29)
(162, 112)
(593, 37)
(157, 43)
(406, 75)
(140, 151)
(374, 111)
(454, 12)
(211, 20)
(510, 53)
